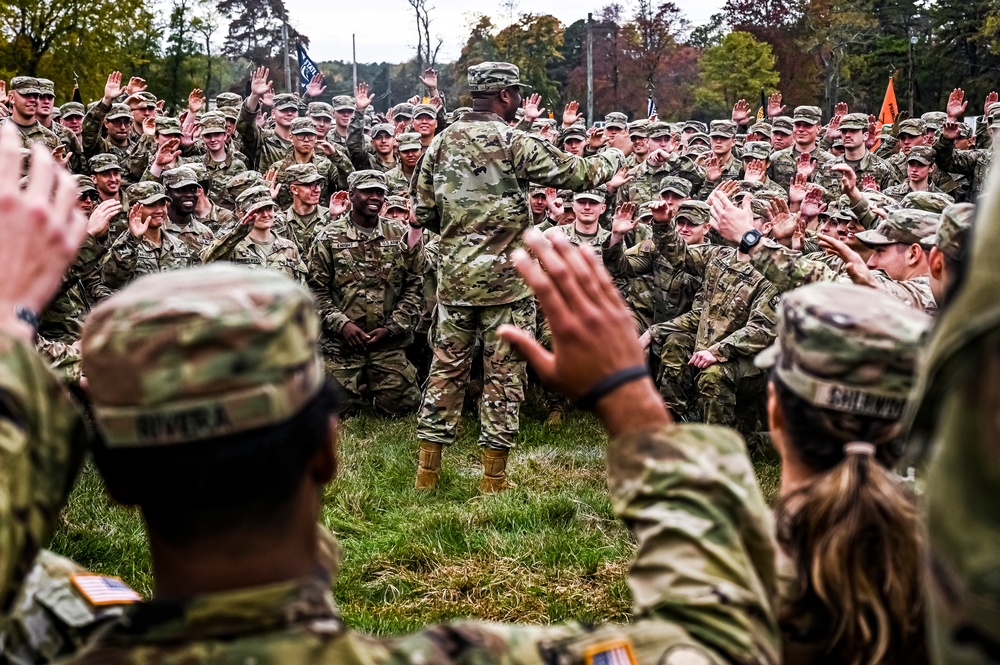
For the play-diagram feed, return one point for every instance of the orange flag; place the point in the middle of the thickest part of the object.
(887, 115)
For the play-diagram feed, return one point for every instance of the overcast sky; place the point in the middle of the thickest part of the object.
(386, 30)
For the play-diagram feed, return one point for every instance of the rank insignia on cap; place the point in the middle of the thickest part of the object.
(102, 590)
(613, 652)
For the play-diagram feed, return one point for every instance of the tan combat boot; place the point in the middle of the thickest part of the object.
(428, 465)
(494, 472)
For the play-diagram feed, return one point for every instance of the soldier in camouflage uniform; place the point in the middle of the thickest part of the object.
(303, 151)
(322, 116)
(399, 178)
(784, 163)
(854, 132)
(344, 110)
(106, 173)
(24, 108)
(220, 159)
(760, 151)
(367, 283)
(948, 249)
(251, 241)
(382, 156)
(183, 190)
(471, 188)
(238, 184)
(265, 147)
(723, 164)
(110, 116)
(214, 216)
(71, 119)
(304, 217)
(919, 169)
(973, 164)
(45, 117)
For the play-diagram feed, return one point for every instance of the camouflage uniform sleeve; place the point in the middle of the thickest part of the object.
(954, 161)
(424, 200)
(320, 278)
(225, 243)
(120, 262)
(759, 331)
(250, 133)
(42, 441)
(863, 211)
(536, 160)
(916, 294)
(675, 250)
(620, 264)
(409, 306)
(138, 159)
(93, 123)
(787, 269)
(686, 322)
(887, 147)
(340, 160)
(356, 148)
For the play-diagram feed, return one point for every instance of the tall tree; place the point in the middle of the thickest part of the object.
(181, 48)
(530, 43)
(254, 33)
(735, 69)
(427, 49)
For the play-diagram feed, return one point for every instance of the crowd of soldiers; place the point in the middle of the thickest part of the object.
(772, 258)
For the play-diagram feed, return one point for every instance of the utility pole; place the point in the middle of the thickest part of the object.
(909, 66)
(590, 68)
(354, 56)
(284, 41)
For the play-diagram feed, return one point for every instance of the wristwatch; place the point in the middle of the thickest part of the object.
(750, 240)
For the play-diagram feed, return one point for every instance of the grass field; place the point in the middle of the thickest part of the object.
(548, 551)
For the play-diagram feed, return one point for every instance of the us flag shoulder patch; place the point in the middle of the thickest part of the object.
(612, 652)
(102, 590)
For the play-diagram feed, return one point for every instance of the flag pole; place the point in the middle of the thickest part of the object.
(354, 56)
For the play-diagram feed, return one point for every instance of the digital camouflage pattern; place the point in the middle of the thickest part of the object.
(262, 146)
(973, 164)
(335, 172)
(870, 164)
(784, 166)
(37, 133)
(91, 134)
(952, 232)
(130, 257)
(929, 201)
(237, 247)
(302, 229)
(471, 187)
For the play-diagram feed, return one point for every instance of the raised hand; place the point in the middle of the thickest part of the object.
(249, 219)
(325, 148)
(414, 100)
(782, 221)
(833, 127)
(595, 138)
(137, 226)
(113, 87)
(149, 126)
(848, 180)
(956, 104)
(950, 130)
(196, 101)
(774, 105)
(872, 132)
(741, 112)
(430, 79)
(532, 108)
(797, 189)
(362, 100)
(622, 142)
(315, 87)
(729, 187)
(3, 91)
(339, 203)
(167, 153)
(571, 113)
(840, 108)
(260, 84)
(869, 184)
(60, 155)
(135, 84)
(799, 234)
(805, 165)
(991, 99)
(897, 121)
(713, 170)
(620, 178)
(731, 221)
(436, 102)
(755, 170)
(271, 180)
(100, 218)
(624, 220)
(813, 203)
(854, 265)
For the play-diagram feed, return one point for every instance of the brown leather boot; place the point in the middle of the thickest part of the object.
(428, 465)
(494, 472)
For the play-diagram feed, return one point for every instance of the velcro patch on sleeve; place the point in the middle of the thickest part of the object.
(613, 652)
(102, 590)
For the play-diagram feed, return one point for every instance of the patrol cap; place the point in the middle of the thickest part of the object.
(71, 109)
(928, 201)
(761, 127)
(964, 130)
(403, 110)
(367, 179)
(639, 128)
(343, 103)
(953, 231)
(84, 183)
(168, 126)
(179, 177)
(693, 210)
(589, 195)
(756, 150)
(241, 181)
(658, 129)
(304, 174)
(846, 348)
(535, 190)
(723, 128)
(574, 132)
(408, 141)
(616, 119)
(382, 127)
(26, 85)
(854, 121)
(213, 123)
(758, 205)
(141, 99)
(698, 136)
(841, 210)
(46, 87)
(396, 203)
(424, 109)
(253, 198)
(146, 192)
(494, 77)
(934, 119)
(105, 161)
(923, 154)
(811, 114)
(119, 111)
(645, 210)
(913, 127)
(195, 354)
(286, 101)
(695, 126)
(304, 126)
(230, 112)
(319, 109)
(679, 186)
(200, 172)
(696, 148)
(228, 100)
(783, 125)
(901, 226)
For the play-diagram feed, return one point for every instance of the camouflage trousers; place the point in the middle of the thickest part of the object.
(383, 378)
(712, 390)
(456, 331)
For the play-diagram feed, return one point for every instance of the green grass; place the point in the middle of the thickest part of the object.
(549, 551)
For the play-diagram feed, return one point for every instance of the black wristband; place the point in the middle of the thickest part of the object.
(610, 383)
(26, 315)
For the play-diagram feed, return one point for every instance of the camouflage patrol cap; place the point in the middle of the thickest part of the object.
(367, 179)
(285, 101)
(913, 127)
(180, 177)
(953, 232)
(200, 172)
(141, 99)
(146, 192)
(699, 148)
(195, 354)
(811, 114)
(84, 183)
(426, 109)
(761, 127)
(241, 181)
(46, 87)
(694, 125)
(382, 127)
(26, 85)
(320, 109)
(846, 348)
(928, 201)
(722, 128)
(589, 195)
(756, 150)
(253, 198)
(104, 161)
(119, 111)
(228, 100)
(783, 125)
(535, 190)
(408, 141)
(698, 136)
(758, 206)
(934, 119)
(230, 112)
(993, 109)
(213, 123)
(679, 186)
(964, 130)
(639, 128)
(854, 121)
(168, 126)
(880, 200)
(71, 109)
(494, 76)
(302, 173)
(693, 210)
(841, 210)
(658, 129)
(574, 132)
(344, 103)
(403, 110)
(923, 154)
(396, 202)
(616, 119)
(901, 226)
(645, 210)
(304, 126)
